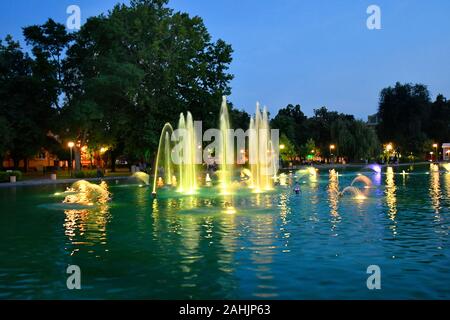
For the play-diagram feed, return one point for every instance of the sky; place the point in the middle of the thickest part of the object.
(309, 52)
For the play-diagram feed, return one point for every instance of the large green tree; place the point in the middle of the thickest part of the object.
(404, 112)
(438, 128)
(291, 121)
(24, 102)
(139, 66)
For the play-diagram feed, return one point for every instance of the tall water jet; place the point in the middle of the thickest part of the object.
(226, 150)
(261, 151)
(165, 159)
(187, 180)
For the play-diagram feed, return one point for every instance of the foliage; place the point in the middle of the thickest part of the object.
(404, 113)
(4, 176)
(24, 101)
(139, 66)
(86, 174)
(289, 152)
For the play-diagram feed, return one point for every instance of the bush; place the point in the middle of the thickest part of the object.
(4, 176)
(86, 174)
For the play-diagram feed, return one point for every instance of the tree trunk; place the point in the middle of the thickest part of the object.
(113, 160)
(25, 165)
(16, 162)
(77, 156)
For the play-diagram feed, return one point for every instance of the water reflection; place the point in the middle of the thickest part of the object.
(86, 227)
(391, 198)
(435, 192)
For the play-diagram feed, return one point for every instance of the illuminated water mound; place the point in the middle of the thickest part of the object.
(143, 177)
(434, 167)
(353, 191)
(85, 193)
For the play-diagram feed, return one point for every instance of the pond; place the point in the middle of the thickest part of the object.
(316, 244)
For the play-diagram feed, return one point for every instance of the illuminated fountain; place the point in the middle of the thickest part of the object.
(226, 150)
(355, 192)
(187, 181)
(164, 146)
(186, 156)
(363, 179)
(85, 193)
(261, 151)
(143, 177)
(262, 156)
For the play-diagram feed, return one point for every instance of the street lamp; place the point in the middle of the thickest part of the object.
(389, 148)
(435, 146)
(332, 147)
(71, 145)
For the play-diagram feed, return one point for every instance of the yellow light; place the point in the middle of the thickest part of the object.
(71, 144)
(103, 149)
(389, 147)
(242, 151)
(282, 146)
(435, 145)
(332, 146)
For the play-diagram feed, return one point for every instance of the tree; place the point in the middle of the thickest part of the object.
(288, 152)
(291, 121)
(5, 141)
(49, 42)
(438, 128)
(309, 148)
(137, 67)
(404, 114)
(24, 102)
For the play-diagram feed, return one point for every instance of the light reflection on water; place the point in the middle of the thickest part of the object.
(273, 245)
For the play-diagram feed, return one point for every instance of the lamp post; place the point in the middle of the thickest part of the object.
(71, 145)
(389, 148)
(280, 159)
(435, 146)
(332, 147)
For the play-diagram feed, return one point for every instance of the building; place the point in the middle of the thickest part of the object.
(446, 151)
(37, 163)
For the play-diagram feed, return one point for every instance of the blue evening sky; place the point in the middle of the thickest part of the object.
(312, 52)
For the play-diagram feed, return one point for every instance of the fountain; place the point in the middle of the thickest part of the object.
(187, 166)
(262, 156)
(261, 151)
(365, 180)
(187, 179)
(357, 194)
(434, 167)
(85, 193)
(142, 176)
(226, 150)
(164, 141)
